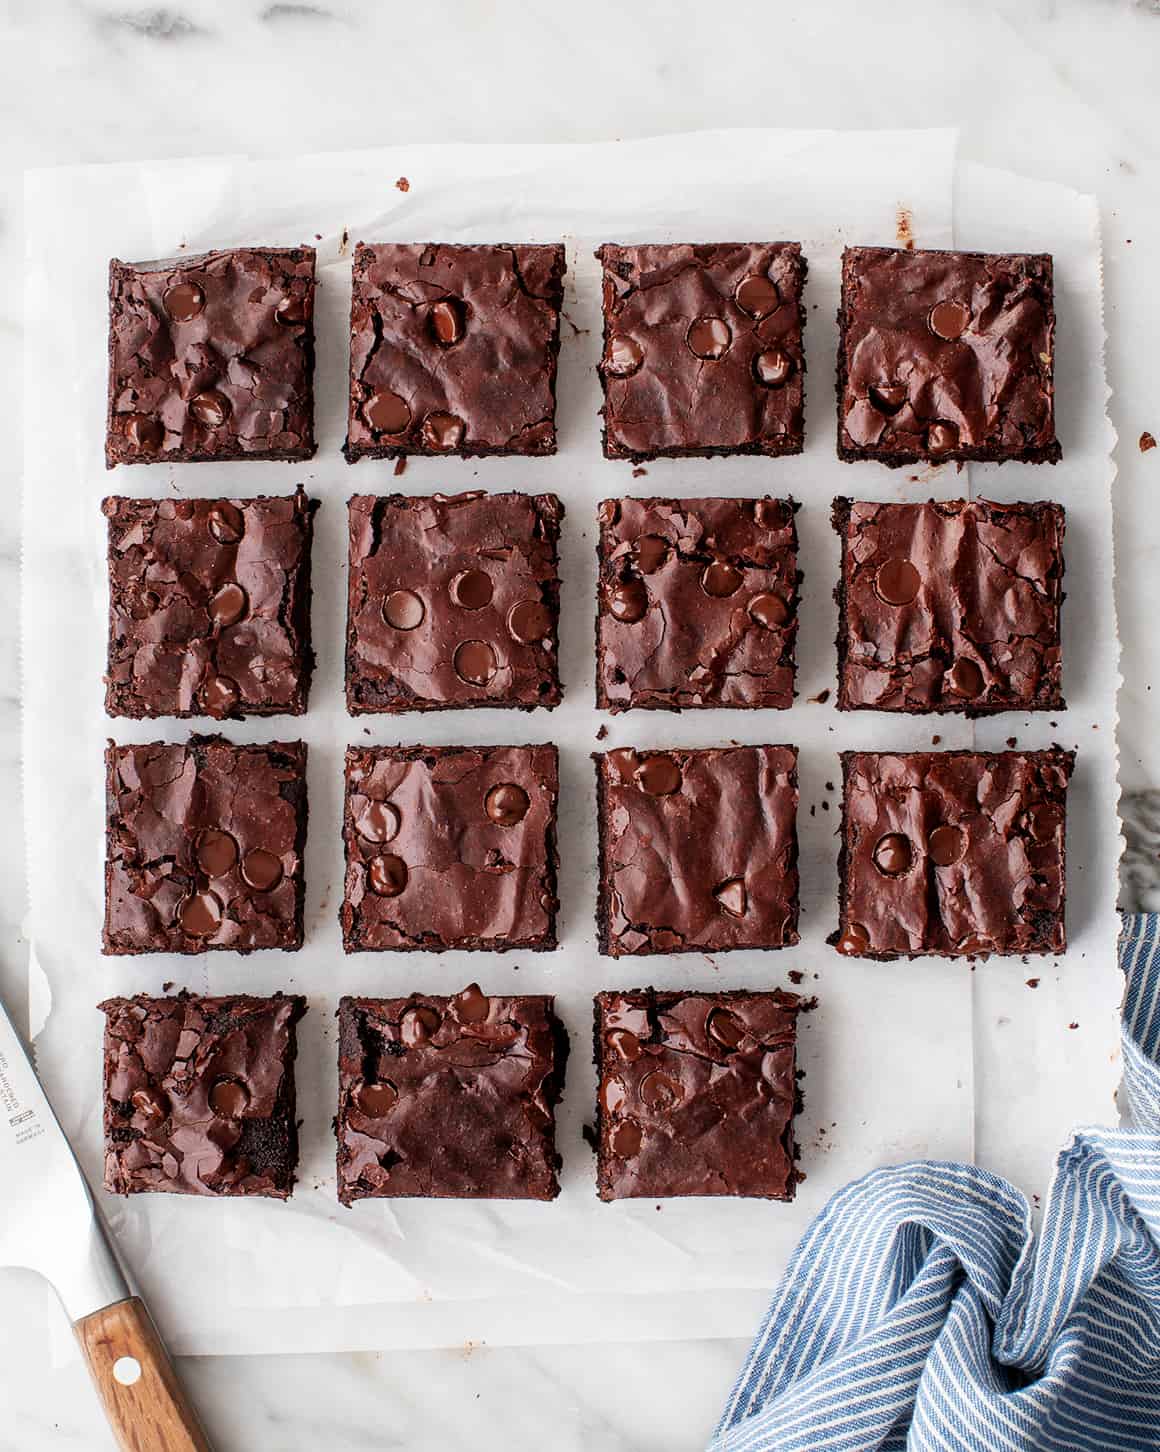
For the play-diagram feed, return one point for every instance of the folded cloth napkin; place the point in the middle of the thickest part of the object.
(919, 1311)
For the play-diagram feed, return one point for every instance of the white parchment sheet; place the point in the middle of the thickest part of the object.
(907, 1059)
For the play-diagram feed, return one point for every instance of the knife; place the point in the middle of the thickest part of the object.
(49, 1223)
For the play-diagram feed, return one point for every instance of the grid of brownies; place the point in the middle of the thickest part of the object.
(453, 602)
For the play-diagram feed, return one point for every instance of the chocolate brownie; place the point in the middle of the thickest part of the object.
(204, 846)
(946, 355)
(697, 603)
(450, 847)
(697, 1094)
(209, 606)
(212, 357)
(698, 849)
(950, 606)
(453, 350)
(449, 1097)
(702, 349)
(953, 853)
(453, 601)
(199, 1095)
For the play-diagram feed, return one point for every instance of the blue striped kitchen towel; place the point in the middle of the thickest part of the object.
(918, 1311)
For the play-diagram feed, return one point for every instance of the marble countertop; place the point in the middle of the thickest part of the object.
(1060, 89)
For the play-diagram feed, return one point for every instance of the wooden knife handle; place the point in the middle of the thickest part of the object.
(144, 1402)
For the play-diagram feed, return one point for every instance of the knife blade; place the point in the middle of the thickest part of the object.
(50, 1223)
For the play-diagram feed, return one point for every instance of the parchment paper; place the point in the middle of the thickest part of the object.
(902, 1060)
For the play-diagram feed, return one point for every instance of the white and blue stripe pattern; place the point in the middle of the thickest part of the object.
(918, 1312)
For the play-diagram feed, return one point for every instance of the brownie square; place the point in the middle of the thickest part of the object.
(453, 601)
(949, 606)
(953, 853)
(698, 603)
(212, 357)
(199, 1095)
(209, 606)
(450, 847)
(697, 1094)
(449, 1098)
(204, 846)
(453, 350)
(698, 849)
(946, 355)
(702, 349)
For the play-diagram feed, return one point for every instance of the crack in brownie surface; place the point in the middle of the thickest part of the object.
(449, 1097)
(697, 603)
(453, 349)
(450, 847)
(946, 356)
(953, 853)
(951, 606)
(698, 849)
(199, 1094)
(209, 606)
(697, 1093)
(212, 357)
(702, 349)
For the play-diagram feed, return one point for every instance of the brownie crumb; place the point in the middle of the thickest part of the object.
(821, 698)
(1146, 442)
(403, 184)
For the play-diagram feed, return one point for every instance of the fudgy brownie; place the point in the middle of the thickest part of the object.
(199, 1095)
(698, 849)
(209, 606)
(453, 350)
(946, 355)
(953, 853)
(949, 606)
(702, 349)
(212, 357)
(450, 847)
(697, 1094)
(697, 603)
(449, 1097)
(453, 601)
(204, 846)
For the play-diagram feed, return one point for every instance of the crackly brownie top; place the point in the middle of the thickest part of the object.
(950, 606)
(450, 847)
(199, 1094)
(697, 1093)
(947, 354)
(212, 356)
(209, 610)
(698, 602)
(954, 852)
(453, 348)
(453, 601)
(204, 846)
(699, 849)
(448, 1096)
(702, 348)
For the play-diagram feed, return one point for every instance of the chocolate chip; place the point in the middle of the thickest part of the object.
(625, 1139)
(529, 621)
(210, 408)
(771, 611)
(403, 610)
(659, 776)
(291, 311)
(732, 897)
(625, 1043)
(447, 321)
(623, 356)
(387, 875)
(721, 579)
(442, 431)
(757, 295)
(228, 605)
(475, 662)
(946, 845)
(855, 939)
(375, 821)
(897, 582)
(219, 695)
(472, 1004)
(773, 367)
(772, 513)
(660, 1090)
(649, 553)
(724, 1028)
(506, 804)
(183, 301)
(149, 1102)
(144, 433)
(228, 1098)
(709, 338)
(216, 852)
(892, 854)
(472, 589)
(376, 1097)
(887, 398)
(949, 320)
(613, 1096)
(387, 413)
(226, 522)
(941, 437)
(964, 678)
(608, 512)
(628, 601)
(262, 870)
(418, 1025)
(200, 915)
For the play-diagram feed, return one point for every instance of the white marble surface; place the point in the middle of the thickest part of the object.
(1063, 89)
